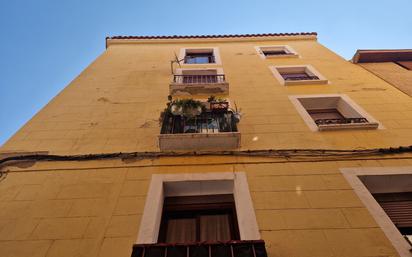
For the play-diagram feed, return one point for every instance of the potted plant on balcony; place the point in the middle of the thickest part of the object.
(217, 104)
(237, 113)
(188, 108)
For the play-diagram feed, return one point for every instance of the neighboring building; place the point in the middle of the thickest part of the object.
(393, 66)
(269, 145)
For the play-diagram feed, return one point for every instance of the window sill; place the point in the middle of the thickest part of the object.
(199, 141)
(370, 125)
(305, 82)
(199, 88)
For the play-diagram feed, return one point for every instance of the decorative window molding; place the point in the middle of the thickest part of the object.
(353, 116)
(214, 51)
(276, 51)
(366, 181)
(166, 185)
(199, 81)
(298, 75)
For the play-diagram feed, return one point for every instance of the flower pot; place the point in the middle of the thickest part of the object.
(176, 110)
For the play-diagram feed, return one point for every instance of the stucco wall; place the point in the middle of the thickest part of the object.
(302, 209)
(391, 72)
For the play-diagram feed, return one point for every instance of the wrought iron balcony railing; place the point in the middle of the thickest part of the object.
(199, 79)
(207, 122)
(244, 248)
(340, 121)
(293, 77)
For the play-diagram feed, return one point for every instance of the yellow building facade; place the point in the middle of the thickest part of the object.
(317, 144)
(393, 66)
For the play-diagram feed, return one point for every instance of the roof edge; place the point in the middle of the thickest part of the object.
(382, 55)
(306, 35)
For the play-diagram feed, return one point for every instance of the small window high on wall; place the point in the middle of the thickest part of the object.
(200, 56)
(277, 51)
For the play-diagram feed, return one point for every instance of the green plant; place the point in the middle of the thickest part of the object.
(213, 98)
(186, 104)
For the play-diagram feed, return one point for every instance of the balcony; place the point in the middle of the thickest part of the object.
(195, 84)
(215, 128)
(243, 248)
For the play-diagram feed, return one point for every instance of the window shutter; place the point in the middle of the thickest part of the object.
(398, 206)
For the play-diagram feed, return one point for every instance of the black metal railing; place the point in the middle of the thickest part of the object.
(299, 77)
(243, 248)
(207, 122)
(340, 121)
(199, 59)
(199, 79)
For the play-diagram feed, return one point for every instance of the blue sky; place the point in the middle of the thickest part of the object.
(46, 43)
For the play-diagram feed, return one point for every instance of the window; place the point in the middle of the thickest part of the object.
(297, 75)
(220, 197)
(387, 194)
(280, 51)
(331, 112)
(197, 56)
(398, 207)
(193, 57)
(211, 209)
(198, 219)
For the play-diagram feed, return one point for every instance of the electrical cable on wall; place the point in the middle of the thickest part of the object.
(270, 153)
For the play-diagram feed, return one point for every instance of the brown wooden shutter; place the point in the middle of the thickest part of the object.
(398, 206)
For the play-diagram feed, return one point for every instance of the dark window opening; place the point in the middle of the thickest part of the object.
(198, 219)
(398, 207)
(274, 52)
(199, 58)
(332, 116)
(298, 76)
(325, 114)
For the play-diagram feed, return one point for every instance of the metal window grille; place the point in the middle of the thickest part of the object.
(199, 79)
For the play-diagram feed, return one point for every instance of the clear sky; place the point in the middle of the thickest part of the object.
(46, 43)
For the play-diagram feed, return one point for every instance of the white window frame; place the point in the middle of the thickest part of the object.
(291, 52)
(353, 175)
(373, 123)
(164, 185)
(215, 50)
(309, 69)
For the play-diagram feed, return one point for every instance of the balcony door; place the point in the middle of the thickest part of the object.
(198, 219)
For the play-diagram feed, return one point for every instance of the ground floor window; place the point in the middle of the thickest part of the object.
(198, 219)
